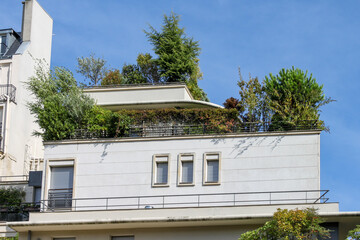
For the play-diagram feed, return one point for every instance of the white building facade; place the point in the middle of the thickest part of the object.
(19, 53)
(20, 151)
(174, 185)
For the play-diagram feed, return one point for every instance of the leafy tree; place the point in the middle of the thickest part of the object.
(355, 233)
(92, 68)
(148, 68)
(132, 74)
(294, 97)
(176, 52)
(59, 105)
(290, 225)
(177, 55)
(253, 103)
(231, 103)
(112, 77)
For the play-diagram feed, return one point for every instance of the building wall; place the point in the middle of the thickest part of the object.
(249, 163)
(131, 95)
(20, 144)
(198, 233)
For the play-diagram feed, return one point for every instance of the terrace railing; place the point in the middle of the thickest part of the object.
(164, 129)
(60, 198)
(18, 212)
(186, 201)
(7, 90)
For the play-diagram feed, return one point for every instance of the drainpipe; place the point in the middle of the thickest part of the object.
(29, 235)
(6, 123)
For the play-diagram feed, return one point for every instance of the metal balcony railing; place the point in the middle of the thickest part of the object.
(184, 201)
(60, 198)
(7, 90)
(18, 212)
(164, 129)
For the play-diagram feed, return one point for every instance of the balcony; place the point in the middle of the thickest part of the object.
(7, 91)
(167, 130)
(62, 200)
(18, 212)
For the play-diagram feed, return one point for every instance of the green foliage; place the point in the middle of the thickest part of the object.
(253, 103)
(148, 68)
(11, 196)
(290, 225)
(112, 77)
(10, 238)
(220, 120)
(132, 74)
(177, 55)
(92, 68)
(100, 119)
(59, 105)
(294, 97)
(355, 233)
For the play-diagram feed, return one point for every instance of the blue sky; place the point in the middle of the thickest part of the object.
(261, 37)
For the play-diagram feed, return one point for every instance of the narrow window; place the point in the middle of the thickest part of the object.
(161, 170)
(72, 238)
(61, 186)
(2, 45)
(212, 168)
(123, 238)
(186, 169)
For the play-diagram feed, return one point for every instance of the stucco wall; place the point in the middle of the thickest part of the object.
(249, 163)
(198, 233)
(131, 95)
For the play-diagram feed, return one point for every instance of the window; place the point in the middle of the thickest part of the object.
(160, 170)
(72, 238)
(211, 168)
(186, 169)
(2, 45)
(123, 238)
(61, 184)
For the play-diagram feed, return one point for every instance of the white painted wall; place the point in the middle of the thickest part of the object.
(137, 95)
(189, 233)
(20, 145)
(250, 163)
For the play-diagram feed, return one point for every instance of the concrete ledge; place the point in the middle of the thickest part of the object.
(146, 218)
(141, 139)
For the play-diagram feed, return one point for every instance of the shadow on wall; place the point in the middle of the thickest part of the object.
(104, 152)
(244, 144)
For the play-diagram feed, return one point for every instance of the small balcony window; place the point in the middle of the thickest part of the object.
(212, 168)
(186, 169)
(160, 170)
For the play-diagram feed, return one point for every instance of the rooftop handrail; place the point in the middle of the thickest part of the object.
(135, 85)
(178, 129)
(18, 212)
(187, 200)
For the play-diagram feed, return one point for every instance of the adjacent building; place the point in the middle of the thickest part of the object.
(20, 151)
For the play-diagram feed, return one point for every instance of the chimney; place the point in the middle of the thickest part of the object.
(26, 20)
